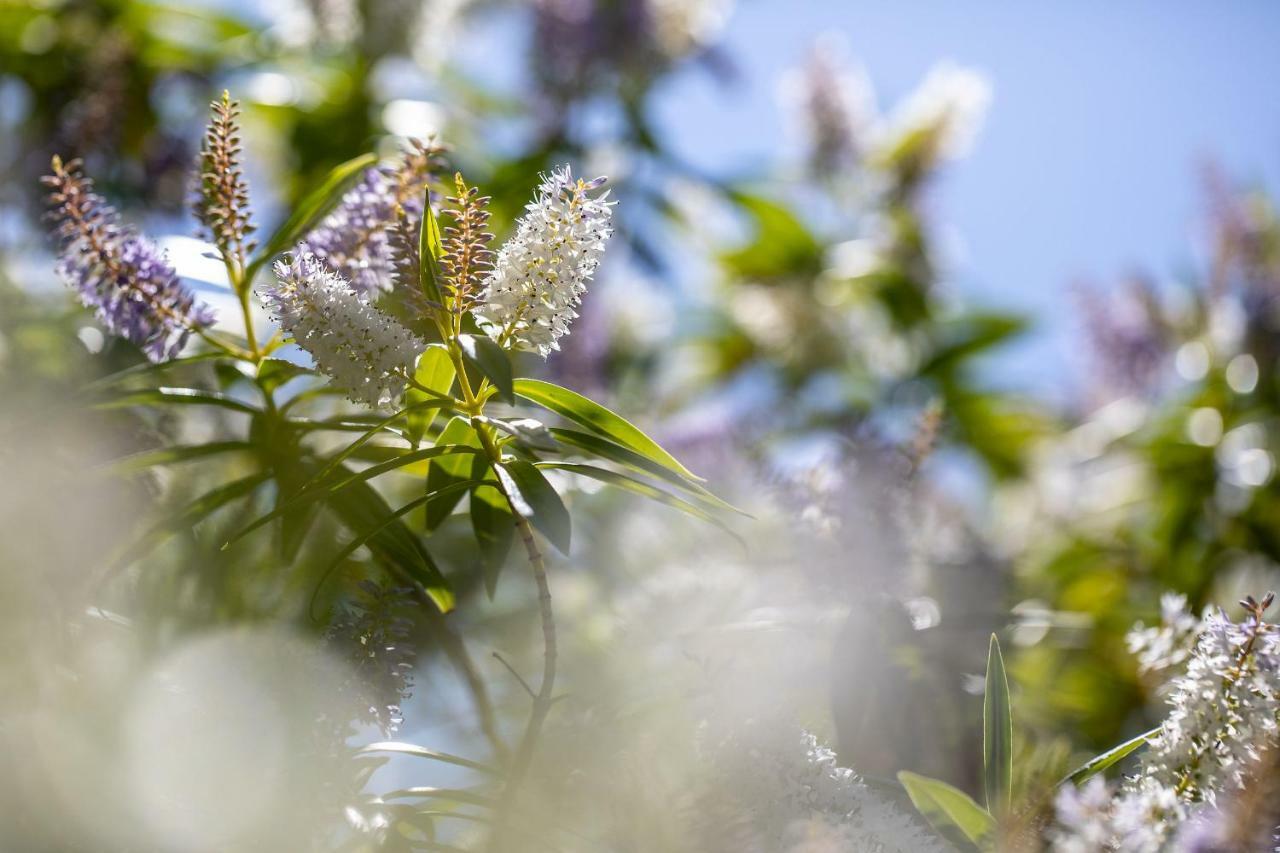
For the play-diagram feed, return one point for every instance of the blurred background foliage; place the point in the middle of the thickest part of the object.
(790, 333)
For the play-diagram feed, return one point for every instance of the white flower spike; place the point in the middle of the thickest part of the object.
(542, 272)
(364, 351)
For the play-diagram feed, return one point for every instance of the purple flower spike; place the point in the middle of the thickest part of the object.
(122, 276)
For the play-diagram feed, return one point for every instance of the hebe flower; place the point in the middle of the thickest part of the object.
(127, 280)
(1224, 713)
(541, 272)
(355, 239)
(363, 350)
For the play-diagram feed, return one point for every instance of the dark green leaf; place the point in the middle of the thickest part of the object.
(191, 514)
(532, 497)
(577, 408)
(308, 212)
(492, 361)
(450, 469)
(171, 455)
(1113, 756)
(494, 527)
(178, 397)
(997, 734)
(950, 811)
(361, 508)
(339, 478)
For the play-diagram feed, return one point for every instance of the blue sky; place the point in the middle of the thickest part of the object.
(1088, 164)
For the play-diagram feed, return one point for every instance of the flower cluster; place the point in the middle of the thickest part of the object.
(375, 633)
(1224, 714)
(793, 796)
(837, 107)
(540, 274)
(222, 203)
(122, 276)
(355, 239)
(366, 352)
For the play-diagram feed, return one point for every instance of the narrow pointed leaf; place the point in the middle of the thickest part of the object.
(606, 449)
(361, 508)
(178, 397)
(171, 455)
(577, 408)
(534, 498)
(310, 211)
(430, 250)
(1111, 757)
(997, 734)
(637, 487)
(950, 811)
(191, 514)
(491, 360)
(416, 751)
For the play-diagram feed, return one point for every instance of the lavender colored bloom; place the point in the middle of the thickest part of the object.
(122, 276)
(355, 240)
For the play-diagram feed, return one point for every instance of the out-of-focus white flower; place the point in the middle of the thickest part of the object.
(786, 796)
(363, 350)
(950, 106)
(835, 104)
(542, 272)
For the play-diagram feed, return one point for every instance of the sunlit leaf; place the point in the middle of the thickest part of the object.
(1111, 757)
(950, 811)
(434, 371)
(430, 250)
(448, 470)
(577, 408)
(997, 734)
(423, 752)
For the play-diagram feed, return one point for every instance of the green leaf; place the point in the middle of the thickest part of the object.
(391, 521)
(997, 734)
(361, 508)
(532, 497)
(178, 397)
(400, 748)
(434, 371)
(170, 455)
(308, 213)
(638, 487)
(950, 811)
(430, 250)
(450, 469)
(370, 432)
(1113, 756)
(782, 245)
(605, 449)
(146, 368)
(494, 527)
(531, 433)
(577, 408)
(324, 485)
(274, 372)
(190, 515)
(490, 359)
